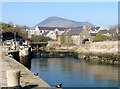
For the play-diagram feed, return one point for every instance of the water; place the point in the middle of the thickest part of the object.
(73, 72)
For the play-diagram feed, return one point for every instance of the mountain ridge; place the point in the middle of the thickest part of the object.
(55, 21)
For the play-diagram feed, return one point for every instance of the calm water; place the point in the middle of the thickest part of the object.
(75, 72)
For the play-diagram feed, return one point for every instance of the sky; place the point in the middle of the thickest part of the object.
(31, 13)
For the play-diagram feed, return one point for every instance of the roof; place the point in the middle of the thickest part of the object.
(52, 28)
(93, 28)
(46, 28)
(74, 31)
(97, 28)
(45, 33)
(103, 31)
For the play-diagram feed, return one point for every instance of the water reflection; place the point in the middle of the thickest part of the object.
(75, 73)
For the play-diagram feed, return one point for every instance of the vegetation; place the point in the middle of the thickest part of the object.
(66, 40)
(99, 37)
(114, 33)
(9, 31)
(69, 40)
(6, 27)
(63, 39)
(40, 38)
(109, 56)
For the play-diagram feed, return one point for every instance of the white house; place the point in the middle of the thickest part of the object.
(95, 29)
(51, 32)
(37, 31)
(30, 32)
(104, 32)
(51, 35)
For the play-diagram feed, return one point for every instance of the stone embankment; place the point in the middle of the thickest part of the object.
(103, 52)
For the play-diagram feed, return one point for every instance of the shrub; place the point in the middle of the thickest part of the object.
(99, 37)
(39, 38)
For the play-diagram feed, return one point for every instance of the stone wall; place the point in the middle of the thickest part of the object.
(100, 52)
(105, 47)
(93, 47)
(100, 47)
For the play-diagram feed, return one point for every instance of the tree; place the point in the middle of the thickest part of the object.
(18, 31)
(114, 31)
(7, 27)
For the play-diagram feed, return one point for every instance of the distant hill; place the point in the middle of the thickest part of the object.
(62, 22)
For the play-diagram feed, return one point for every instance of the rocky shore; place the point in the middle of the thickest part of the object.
(113, 59)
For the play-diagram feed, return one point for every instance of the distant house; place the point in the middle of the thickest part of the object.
(104, 32)
(94, 30)
(51, 32)
(78, 35)
(45, 33)
(37, 31)
(30, 32)
(52, 35)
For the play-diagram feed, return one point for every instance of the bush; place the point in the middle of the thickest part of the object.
(99, 37)
(39, 38)
(66, 40)
(63, 39)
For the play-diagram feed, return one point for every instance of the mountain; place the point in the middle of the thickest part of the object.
(62, 22)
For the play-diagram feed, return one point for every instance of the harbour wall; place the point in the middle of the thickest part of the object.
(28, 79)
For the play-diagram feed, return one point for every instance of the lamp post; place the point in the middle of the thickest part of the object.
(14, 36)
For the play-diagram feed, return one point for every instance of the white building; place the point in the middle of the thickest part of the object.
(95, 29)
(51, 32)
(37, 31)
